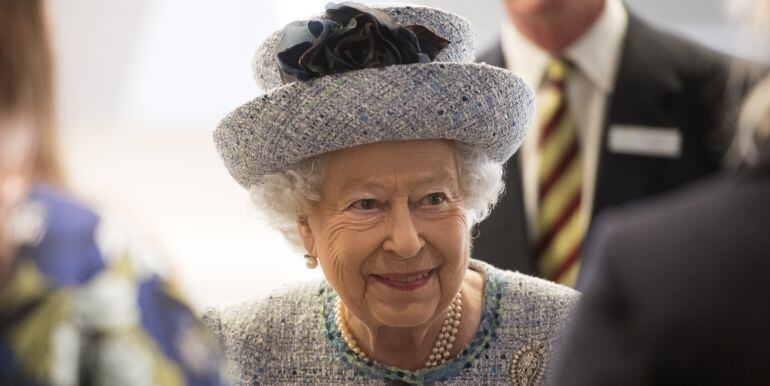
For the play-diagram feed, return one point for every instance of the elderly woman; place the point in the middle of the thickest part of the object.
(376, 149)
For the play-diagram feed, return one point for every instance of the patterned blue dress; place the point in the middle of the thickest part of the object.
(84, 305)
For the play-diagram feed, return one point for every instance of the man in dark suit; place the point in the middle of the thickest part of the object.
(676, 290)
(649, 107)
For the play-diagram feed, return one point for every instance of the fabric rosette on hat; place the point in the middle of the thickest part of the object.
(359, 75)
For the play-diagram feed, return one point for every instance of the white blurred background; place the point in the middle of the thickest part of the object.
(143, 83)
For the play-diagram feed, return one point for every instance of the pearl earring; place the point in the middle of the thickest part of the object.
(311, 261)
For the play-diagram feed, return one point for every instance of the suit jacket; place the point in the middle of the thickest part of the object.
(662, 81)
(677, 290)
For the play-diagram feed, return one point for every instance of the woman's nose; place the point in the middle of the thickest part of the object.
(404, 239)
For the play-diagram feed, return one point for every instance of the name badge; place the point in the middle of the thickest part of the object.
(646, 141)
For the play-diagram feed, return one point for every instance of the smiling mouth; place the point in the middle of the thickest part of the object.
(406, 281)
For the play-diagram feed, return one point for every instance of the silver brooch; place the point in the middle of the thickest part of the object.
(529, 364)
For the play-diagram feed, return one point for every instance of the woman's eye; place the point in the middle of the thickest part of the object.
(433, 199)
(365, 204)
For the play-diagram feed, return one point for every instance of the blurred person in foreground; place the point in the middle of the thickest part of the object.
(376, 148)
(676, 289)
(625, 111)
(80, 302)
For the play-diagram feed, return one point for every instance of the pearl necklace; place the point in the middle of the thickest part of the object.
(440, 352)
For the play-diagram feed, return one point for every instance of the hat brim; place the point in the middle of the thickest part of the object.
(483, 106)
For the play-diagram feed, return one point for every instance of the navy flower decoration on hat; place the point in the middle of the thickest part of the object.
(357, 75)
(352, 37)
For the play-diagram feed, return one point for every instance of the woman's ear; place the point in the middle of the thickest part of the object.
(306, 234)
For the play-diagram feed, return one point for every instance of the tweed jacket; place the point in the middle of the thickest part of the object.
(291, 337)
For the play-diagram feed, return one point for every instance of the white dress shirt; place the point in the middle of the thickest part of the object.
(595, 56)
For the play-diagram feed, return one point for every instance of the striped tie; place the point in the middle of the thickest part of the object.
(560, 218)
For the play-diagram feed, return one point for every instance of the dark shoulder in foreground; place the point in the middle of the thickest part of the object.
(683, 276)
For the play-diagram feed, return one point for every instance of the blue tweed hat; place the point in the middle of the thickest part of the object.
(358, 75)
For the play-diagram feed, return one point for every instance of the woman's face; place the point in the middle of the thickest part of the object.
(390, 231)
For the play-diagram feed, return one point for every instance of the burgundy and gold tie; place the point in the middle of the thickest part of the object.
(561, 219)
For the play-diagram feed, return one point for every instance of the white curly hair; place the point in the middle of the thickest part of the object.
(283, 197)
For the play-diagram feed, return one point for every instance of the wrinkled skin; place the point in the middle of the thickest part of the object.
(394, 207)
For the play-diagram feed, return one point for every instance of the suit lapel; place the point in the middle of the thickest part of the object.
(643, 86)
